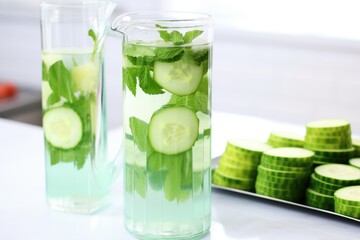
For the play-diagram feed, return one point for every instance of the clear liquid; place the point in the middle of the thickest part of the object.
(77, 179)
(173, 201)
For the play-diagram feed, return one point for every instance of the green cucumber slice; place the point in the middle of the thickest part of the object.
(338, 174)
(288, 156)
(348, 195)
(327, 126)
(317, 183)
(63, 127)
(355, 162)
(242, 184)
(285, 139)
(182, 77)
(236, 172)
(248, 146)
(173, 129)
(282, 174)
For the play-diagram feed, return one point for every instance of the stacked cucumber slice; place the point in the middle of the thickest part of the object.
(355, 162)
(283, 173)
(356, 146)
(325, 180)
(330, 140)
(285, 139)
(238, 165)
(347, 201)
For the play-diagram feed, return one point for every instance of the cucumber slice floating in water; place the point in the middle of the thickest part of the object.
(173, 129)
(180, 78)
(63, 127)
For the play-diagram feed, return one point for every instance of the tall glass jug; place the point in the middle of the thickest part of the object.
(78, 175)
(167, 121)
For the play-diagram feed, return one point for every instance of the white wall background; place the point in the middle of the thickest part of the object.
(291, 61)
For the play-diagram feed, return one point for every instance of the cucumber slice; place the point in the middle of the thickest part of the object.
(288, 156)
(236, 172)
(239, 163)
(248, 146)
(285, 139)
(173, 129)
(284, 168)
(180, 78)
(86, 77)
(328, 126)
(338, 174)
(63, 127)
(317, 183)
(348, 195)
(355, 162)
(282, 174)
(242, 184)
(350, 211)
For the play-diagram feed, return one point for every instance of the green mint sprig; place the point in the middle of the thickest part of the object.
(176, 37)
(94, 37)
(132, 75)
(61, 83)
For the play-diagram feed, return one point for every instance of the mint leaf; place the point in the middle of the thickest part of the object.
(60, 81)
(45, 74)
(147, 83)
(169, 54)
(129, 77)
(191, 35)
(198, 54)
(176, 38)
(52, 99)
(142, 61)
(135, 172)
(165, 35)
(197, 101)
(93, 36)
(139, 131)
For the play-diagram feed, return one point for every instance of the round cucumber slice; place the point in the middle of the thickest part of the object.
(317, 183)
(339, 174)
(236, 172)
(289, 156)
(285, 139)
(282, 174)
(180, 78)
(173, 129)
(62, 127)
(348, 195)
(249, 146)
(328, 125)
(242, 184)
(355, 162)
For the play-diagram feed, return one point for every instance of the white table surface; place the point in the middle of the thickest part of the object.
(25, 215)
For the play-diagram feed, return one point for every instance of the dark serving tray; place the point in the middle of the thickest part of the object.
(214, 164)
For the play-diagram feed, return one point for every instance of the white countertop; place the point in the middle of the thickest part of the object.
(25, 215)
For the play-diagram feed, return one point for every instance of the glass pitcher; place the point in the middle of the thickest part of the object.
(78, 175)
(166, 69)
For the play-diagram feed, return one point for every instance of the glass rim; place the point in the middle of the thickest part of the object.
(74, 4)
(160, 17)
